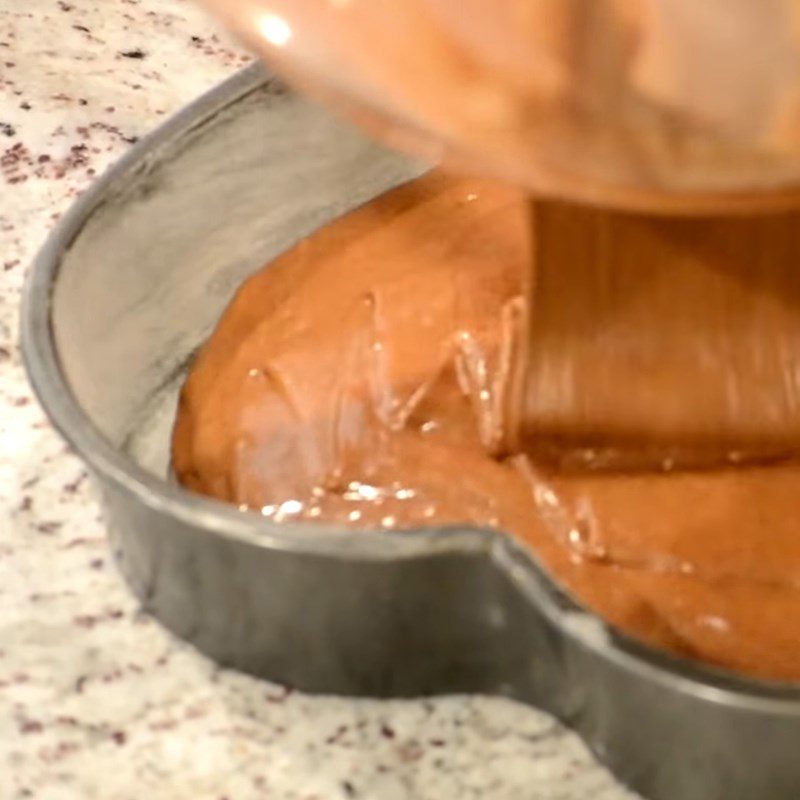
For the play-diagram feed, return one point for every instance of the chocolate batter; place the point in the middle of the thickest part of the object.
(363, 379)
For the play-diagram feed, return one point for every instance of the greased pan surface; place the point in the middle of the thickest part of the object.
(128, 285)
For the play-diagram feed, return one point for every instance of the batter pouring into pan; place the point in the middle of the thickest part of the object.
(617, 389)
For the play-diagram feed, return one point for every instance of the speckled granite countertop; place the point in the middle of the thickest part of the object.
(96, 701)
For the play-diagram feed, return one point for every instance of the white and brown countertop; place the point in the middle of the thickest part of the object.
(97, 702)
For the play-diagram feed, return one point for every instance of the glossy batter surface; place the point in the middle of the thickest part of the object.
(363, 379)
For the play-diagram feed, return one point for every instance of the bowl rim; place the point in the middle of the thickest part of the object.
(213, 517)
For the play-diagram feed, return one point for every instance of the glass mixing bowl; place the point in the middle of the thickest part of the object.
(658, 105)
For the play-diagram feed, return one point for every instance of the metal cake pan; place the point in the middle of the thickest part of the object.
(129, 284)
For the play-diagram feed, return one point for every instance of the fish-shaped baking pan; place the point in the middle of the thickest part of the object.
(127, 287)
